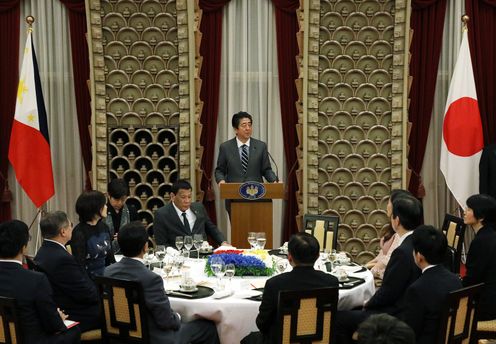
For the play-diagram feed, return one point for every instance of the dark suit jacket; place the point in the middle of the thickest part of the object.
(300, 278)
(162, 321)
(424, 299)
(481, 267)
(400, 272)
(229, 163)
(487, 170)
(73, 291)
(167, 225)
(37, 311)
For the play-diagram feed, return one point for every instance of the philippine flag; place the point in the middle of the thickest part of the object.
(462, 142)
(29, 149)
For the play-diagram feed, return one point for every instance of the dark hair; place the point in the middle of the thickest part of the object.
(304, 248)
(237, 117)
(409, 210)
(52, 223)
(484, 208)
(431, 243)
(132, 238)
(181, 184)
(89, 204)
(385, 329)
(14, 235)
(117, 188)
(388, 231)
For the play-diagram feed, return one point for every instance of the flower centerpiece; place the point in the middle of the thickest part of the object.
(247, 263)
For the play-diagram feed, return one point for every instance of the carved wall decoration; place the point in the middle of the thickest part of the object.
(142, 94)
(354, 115)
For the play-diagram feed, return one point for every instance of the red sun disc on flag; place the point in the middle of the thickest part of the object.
(462, 127)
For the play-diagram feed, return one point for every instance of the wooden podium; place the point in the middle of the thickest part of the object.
(250, 216)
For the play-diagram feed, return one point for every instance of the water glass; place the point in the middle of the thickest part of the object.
(160, 253)
(252, 239)
(218, 268)
(188, 242)
(179, 242)
(148, 257)
(261, 240)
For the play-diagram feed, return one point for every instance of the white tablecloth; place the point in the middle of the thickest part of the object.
(235, 316)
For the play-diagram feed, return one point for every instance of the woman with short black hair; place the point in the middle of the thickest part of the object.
(91, 241)
(481, 259)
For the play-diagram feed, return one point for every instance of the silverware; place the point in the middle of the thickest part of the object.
(171, 292)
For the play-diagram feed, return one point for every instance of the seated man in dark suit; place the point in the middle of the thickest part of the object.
(424, 299)
(181, 217)
(73, 290)
(41, 321)
(164, 325)
(401, 271)
(303, 251)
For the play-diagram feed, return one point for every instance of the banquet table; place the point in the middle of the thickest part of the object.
(235, 315)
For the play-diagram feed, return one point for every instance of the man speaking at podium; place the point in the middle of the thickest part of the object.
(243, 158)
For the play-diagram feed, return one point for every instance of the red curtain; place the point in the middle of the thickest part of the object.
(9, 70)
(81, 72)
(210, 49)
(287, 49)
(482, 38)
(427, 22)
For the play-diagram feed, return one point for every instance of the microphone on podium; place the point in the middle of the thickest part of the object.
(277, 170)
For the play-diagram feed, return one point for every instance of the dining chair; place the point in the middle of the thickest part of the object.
(324, 228)
(306, 316)
(459, 316)
(123, 311)
(486, 329)
(454, 230)
(9, 322)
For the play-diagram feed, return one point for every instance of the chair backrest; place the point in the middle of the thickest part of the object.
(324, 228)
(10, 332)
(459, 316)
(123, 310)
(454, 230)
(306, 316)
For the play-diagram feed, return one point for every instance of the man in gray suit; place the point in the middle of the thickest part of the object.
(243, 158)
(181, 217)
(164, 325)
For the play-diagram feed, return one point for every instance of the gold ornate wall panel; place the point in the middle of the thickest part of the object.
(141, 78)
(354, 120)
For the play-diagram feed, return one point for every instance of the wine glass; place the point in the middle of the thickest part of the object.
(198, 241)
(188, 243)
(281, 265)
(167, 269)
(261, 240)
(252, 239)
(218, 268)
(179, 242)
(160, 254)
